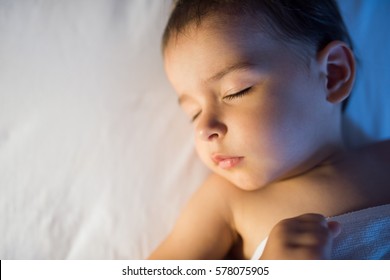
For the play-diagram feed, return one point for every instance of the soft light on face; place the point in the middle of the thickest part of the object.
(258, 109)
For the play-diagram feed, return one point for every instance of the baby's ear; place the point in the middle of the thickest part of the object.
(338, 64)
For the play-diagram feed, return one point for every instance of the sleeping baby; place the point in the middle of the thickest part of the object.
(264, 84)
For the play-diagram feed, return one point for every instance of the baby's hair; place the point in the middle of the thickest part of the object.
(314, 23)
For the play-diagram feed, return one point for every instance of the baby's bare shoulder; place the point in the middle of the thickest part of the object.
(380, 150)
(367, 169)
(204, 228)
(374, 158)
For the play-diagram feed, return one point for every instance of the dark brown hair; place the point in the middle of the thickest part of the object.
(315, 23)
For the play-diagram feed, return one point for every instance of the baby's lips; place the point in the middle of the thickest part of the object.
(226, 162)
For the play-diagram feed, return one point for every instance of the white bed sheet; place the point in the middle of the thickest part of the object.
(96, 158)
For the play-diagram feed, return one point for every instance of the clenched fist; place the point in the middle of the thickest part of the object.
(306, 237)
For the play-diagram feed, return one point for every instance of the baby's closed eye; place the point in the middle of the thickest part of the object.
(238, 94)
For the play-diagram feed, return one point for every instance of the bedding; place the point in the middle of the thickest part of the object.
(96, 158)
(365, 235)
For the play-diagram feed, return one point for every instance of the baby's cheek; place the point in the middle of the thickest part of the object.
(202, 153)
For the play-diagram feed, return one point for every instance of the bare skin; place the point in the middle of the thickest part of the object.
(306, 237)
(221, 220)
(267, 123)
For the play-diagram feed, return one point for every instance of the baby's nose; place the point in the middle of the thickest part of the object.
(210, 129)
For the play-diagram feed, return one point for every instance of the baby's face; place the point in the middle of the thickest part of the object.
(258, 109)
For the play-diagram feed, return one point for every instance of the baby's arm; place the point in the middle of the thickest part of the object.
(306, 237)
(203, 230)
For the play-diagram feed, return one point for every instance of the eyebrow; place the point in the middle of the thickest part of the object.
(220, 74)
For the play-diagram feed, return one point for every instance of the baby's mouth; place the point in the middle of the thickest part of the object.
(226, 162)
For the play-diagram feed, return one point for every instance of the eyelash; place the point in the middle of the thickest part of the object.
(233, 96)
(238, 94)
(194, 117)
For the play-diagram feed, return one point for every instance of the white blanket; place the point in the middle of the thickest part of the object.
(365, 235)
(96, 158)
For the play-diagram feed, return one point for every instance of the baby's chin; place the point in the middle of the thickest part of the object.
(247, 183)
(250, 185)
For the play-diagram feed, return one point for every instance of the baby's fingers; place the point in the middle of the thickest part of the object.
(307, 236)
(334, 228)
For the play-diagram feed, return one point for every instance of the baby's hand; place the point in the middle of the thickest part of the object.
(306, 237)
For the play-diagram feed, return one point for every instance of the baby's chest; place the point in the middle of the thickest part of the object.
(254, 221)
(252, 228)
